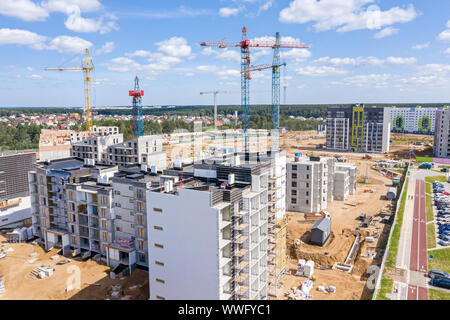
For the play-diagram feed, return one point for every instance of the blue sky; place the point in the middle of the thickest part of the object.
(360, 50)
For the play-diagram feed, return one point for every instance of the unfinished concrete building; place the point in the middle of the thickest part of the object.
(146, 150)
(96, 131)
(72, 205)
(95, 147)
(441, 146)
(211, 235)
(307, 184)
(313, 182)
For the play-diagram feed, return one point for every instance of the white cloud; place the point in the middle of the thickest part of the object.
(421, 46)
(386, 32)
(108, 47)
(266, 6)
(228, 74)
(175, 46)
(207, 68)
(23, 9)
(139, 53)
(22, 37)
(345, 15)
(447, 51)
(320, 71)
(75, 22)
(35, 77)
(296, 54)
(28, 10)
(29, 69)
(224, 54)
(367, 80)
(445, 35)
(228, 12)
(189, 74)
(67, 44)
(366, 61)
(65, 6)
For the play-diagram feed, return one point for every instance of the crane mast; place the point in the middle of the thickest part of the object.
(136, 111)
(87, 67)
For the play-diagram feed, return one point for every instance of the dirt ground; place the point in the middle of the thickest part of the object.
(345, 224)
(95, 282)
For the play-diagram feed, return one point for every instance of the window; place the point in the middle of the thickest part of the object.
(141, 245)
(307, 176)
(140, 220)
(141, 232)
(157, 210)
(293, 201)
(159, 246)
(294, 176)
(307, 201)
(140, 206)
(307, 193)
(158, 263)
(294, 184)
(160, 298)
(293, 192)
(307, 168)
(158, 228)
(294, 167)
(105, 236)
(160, 281)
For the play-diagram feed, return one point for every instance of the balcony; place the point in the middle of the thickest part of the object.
(241, 265)
(241, 278)
(241, 290)
(241, 253)
(241, 239)
(241, 227)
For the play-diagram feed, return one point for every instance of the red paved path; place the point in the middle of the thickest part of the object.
(418, 256)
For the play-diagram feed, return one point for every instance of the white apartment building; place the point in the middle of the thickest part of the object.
(414, 120)
(313, 182)
(441, 146)
(307, 185)
(212, 235)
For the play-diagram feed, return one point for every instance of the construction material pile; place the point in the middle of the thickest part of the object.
(41, 272)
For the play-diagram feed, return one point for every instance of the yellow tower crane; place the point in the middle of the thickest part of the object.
(86, 67)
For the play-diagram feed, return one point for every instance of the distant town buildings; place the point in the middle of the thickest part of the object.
(358, 129)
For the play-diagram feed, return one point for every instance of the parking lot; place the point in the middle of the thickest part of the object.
(441, 212)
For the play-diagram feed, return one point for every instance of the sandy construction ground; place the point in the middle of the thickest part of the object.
(95, 282)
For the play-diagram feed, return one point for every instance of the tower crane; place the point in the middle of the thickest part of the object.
(215, 93)
(245, 44)
(136, 111)
(87, 67)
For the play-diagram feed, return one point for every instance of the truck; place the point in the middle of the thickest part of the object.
(426, 165)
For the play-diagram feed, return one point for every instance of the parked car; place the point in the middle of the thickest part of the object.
(443, 283)
(444, 243)
(438, 274)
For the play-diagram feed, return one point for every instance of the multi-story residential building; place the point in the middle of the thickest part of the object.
(54, 144)
(95, 147)
(307, 184)
(14, 176)
(359, 129)
(72, 205)
(441, 147)
(130, 192)
(414, 120)
(145, 150)
(309, 188)
(96, 131)
(212, 235)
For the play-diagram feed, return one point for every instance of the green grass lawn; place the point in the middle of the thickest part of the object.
(385, 288)
(428, 188)
(440, 261)
(431, 236)
(436, 178)
(429, 207)
(438, 294)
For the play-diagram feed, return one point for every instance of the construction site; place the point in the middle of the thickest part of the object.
(353, 231)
